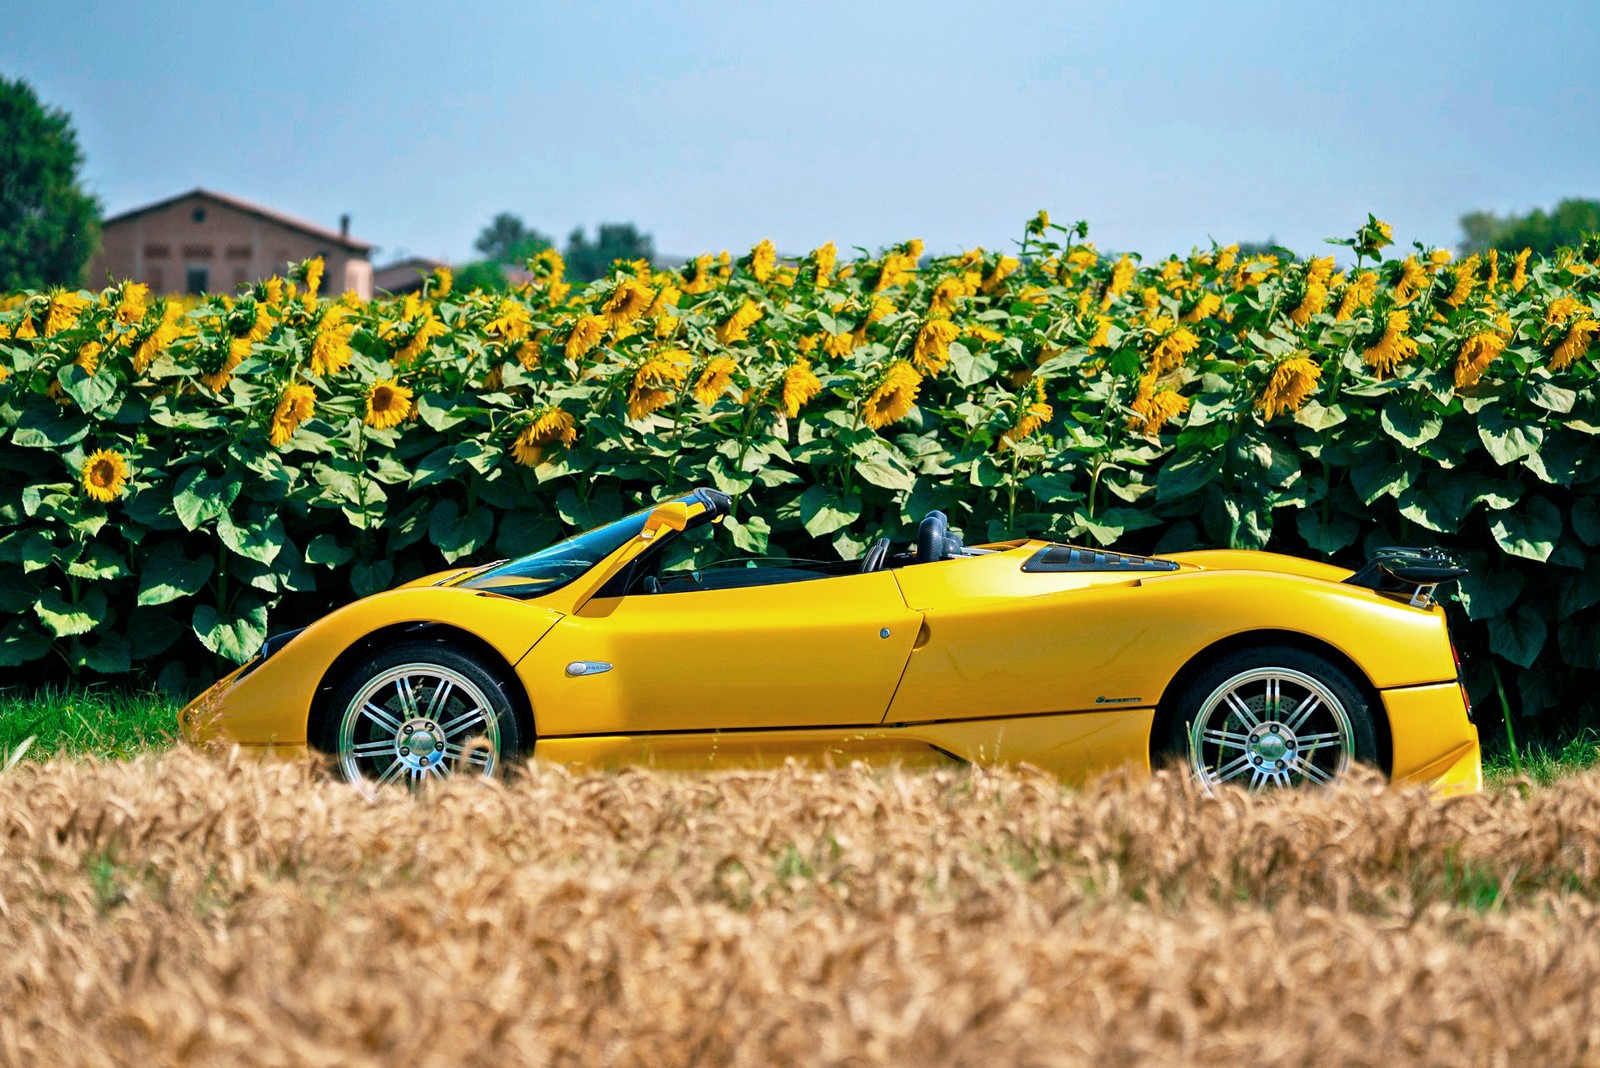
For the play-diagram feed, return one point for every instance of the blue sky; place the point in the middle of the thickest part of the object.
(716, 124)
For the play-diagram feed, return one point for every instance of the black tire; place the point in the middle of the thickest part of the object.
(1274, 749)
(434, 734)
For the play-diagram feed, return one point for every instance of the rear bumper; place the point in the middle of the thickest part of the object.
(1434, 742)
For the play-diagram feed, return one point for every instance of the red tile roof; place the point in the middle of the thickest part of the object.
(248, 208)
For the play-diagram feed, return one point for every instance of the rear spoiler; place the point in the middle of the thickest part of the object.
(1417, 572)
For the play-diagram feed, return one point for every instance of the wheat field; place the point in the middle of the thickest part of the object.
(196, 909)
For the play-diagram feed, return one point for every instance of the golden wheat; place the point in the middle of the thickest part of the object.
(187, 909)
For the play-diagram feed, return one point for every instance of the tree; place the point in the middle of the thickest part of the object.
(49, 226)
(587, 260)
(1568, 224)
(507, 239)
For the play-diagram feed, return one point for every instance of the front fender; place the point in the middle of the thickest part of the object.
(268, 702)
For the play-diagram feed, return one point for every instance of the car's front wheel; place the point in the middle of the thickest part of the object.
(1270, 716)
(419, 711)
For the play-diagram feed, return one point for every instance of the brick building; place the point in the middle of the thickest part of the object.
(205, 242)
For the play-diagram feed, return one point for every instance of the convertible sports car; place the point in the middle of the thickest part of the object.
(1254, 668)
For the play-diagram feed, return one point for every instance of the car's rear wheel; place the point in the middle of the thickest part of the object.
(420, 711)
(1271, 716)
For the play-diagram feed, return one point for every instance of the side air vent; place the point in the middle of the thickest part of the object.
(1071, 558)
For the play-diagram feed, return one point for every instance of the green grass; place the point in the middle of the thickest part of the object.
(97, 722)
(1543, 762)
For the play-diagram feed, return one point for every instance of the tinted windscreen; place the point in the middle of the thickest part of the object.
(552, 568)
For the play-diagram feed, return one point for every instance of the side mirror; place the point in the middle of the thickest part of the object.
(673, 515)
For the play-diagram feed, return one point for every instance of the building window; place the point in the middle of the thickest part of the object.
(199, 215)
(196, 281)
(198, 252)
(157, 252)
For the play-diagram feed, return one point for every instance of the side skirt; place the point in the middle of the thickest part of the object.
(1073, 745)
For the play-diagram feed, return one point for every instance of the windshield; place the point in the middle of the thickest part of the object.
(550, 569)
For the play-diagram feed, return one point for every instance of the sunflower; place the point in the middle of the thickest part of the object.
(1466, 278)
(63, 311)
(1121, 278)
(627, 302)
(585, 335)
(164, 333)
(1575, 344)
(1032, 412)
(297, 404)
(388, 404)
(1003, 269)
(1519, 270)
(823, 260)
(1155, 406)
(510, 321)
(330, 345)
(656, 382)
(1477, 352)
(221, 374)
(548, 427)
(837, 345)
(105, 475)
(430, 328)
(714, 380)
(736, 327)
(313, 275)
(1392, 346)
(1205, 307)
(1311, 303)
(762, 259)
(798, 387)
(1411, 279)
(932, 349)
(893, 397)
(440, 284)
(1291, 382)
(133, 300)
(1172, 344)
(1357, 294)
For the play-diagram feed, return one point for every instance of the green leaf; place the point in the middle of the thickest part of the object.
(1530, 531)
(369, 578)
(21, 644)
(1407, 425)
(1319, 417)
(970, 368)
(1486, 594)
(1508, 440)
(1326, 538)
(98, 562)
(1518, 635)
(1187, 476)
(1580, 590)
(1548, 395)
(885, 472)
(66, 618)
(259, 540)
(457, 535)
(1585, 517)
(326, 550)
(42, 428)
(1383, 478)
(237, 635)
(199, 500)
(750, 535)
(110, 654)
(438, 466)
(153, 633)
(822, 513)
(90, 391)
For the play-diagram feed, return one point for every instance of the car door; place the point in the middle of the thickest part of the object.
(819, 652)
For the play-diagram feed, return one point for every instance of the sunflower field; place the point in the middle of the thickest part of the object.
(182, 475)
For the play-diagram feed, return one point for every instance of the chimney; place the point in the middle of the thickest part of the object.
(344, 226)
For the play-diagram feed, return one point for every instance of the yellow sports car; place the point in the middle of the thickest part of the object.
(1254, 668)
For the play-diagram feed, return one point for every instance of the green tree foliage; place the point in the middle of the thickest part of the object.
(1542, 231)
(588, 260)
(48, 225)
(507, 239)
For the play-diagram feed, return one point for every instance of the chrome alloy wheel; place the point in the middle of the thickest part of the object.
(418, 721)
(1278, 726)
